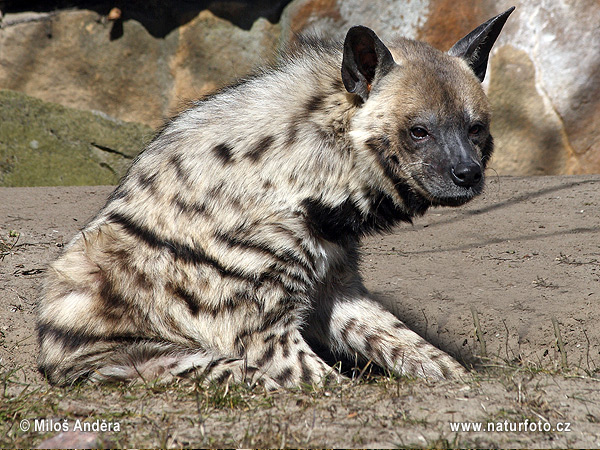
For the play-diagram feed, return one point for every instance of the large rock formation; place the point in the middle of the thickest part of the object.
(141, 61)
(548, 62)
(75, 58)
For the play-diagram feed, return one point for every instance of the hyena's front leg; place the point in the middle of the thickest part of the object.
(361, 325)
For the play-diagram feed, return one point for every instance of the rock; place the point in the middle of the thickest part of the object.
(75, 58)
(448, 20)
(333, 18)
(69, 58)
(211, 53)
(528, 135)
(557, 47)
(440, 22)
(45, 144)
(72, 439)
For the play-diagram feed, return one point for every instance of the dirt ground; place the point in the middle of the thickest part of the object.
(497, 283)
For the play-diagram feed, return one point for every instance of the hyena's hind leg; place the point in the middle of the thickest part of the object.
(280, 360)
(150, 361)
(359, 325)
(273, 359)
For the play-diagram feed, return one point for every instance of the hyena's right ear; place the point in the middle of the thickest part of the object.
(475, 47)
(365, 58)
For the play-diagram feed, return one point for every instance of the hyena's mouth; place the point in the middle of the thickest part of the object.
(450, 184)
(444, 191)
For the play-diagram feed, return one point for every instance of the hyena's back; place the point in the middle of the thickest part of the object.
(233, 239)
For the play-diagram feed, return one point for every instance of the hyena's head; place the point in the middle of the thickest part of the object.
(423, 112)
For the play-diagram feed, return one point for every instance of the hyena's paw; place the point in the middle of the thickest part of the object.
(428, 362)
(290, 362)
(248, 376)
(307, 369)
(362, 326)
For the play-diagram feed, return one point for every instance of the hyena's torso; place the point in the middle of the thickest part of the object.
(232, 242)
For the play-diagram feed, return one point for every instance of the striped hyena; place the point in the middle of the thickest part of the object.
(231, 246)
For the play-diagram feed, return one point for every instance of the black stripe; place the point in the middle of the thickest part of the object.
(307, 374)
(291, 282)
(400, 326)
(267, 356)
(213, 364)
(300, 245)
(314, 103)
(223, 376)
(180, 251)
(216, 191)
(148, 181)
(223, 152)
(414, 203)
(285, 309)
(72, 340)
(333, 223)
(188, 298)
(291, 134)
(286, 257)
(384, 213)
(196, 305)
(288, 270)
(284, 312)
(487, 150)
(337, 85)
(185, 253)
(373, 344)
(176, 162)
(249, 373)
(120, 192)
(260, 148)
(284, 341)
(270, 337)
(115, 306)
(190, 208)
(285, 376)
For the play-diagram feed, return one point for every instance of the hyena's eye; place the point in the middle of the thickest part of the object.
(418, 133)
(475, 130)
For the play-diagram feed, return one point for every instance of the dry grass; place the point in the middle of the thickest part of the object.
(8, 243)
(375, 410)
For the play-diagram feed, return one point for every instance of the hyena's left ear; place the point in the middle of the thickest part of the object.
(365, 58)
(475, 47)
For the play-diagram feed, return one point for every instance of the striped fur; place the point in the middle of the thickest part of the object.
(233, 240)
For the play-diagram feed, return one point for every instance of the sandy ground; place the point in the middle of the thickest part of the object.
(522, 261)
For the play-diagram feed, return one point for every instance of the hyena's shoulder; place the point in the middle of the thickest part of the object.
(266, 142)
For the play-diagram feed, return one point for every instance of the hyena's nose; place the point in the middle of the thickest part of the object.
(466, 174)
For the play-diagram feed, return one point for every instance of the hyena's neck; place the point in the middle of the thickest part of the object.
(357, 196)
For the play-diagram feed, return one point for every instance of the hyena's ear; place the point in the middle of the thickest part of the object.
(365, 58)
(475, 47)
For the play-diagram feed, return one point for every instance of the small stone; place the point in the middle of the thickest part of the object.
(71, 439)
(114, 14)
